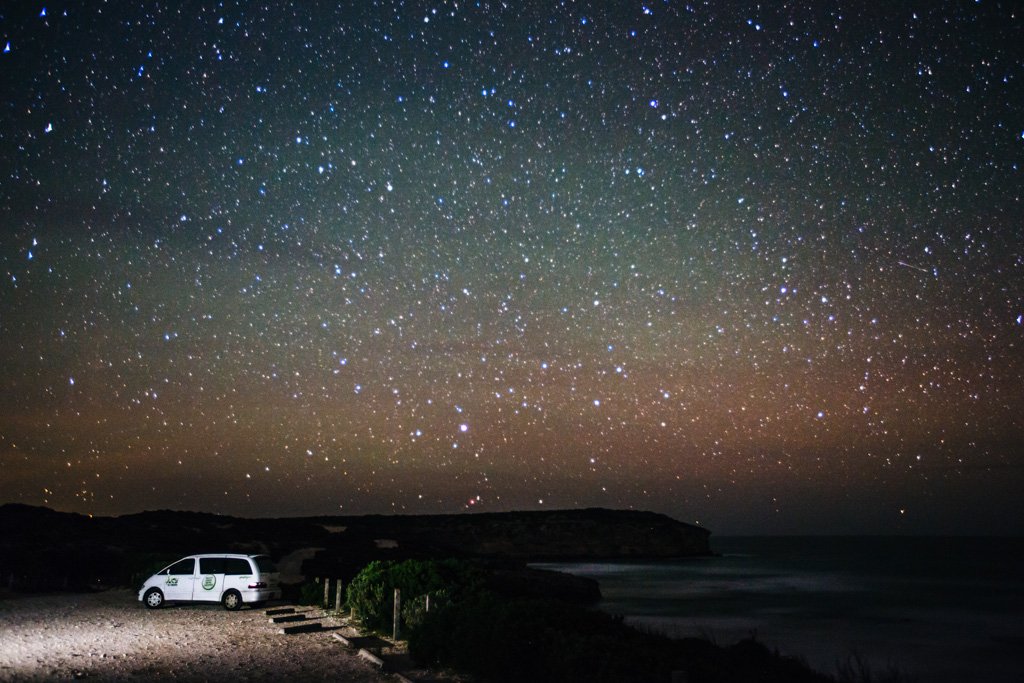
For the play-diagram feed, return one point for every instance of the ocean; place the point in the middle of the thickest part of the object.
(936, 609)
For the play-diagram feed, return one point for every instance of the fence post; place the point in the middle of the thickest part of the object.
(327, 592)
(337, 596)
(398, 613)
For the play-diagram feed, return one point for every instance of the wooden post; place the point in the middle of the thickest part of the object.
(398, 613)
(337, 596)
(327, 592)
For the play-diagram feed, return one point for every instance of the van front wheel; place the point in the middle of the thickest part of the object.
(232, 600)
(153, 598)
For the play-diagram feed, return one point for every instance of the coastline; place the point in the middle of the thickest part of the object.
(935, 608)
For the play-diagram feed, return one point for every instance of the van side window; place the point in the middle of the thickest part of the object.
(211, 565)
(185, 567)
(236, 566)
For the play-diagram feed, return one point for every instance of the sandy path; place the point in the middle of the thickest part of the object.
(111, 636)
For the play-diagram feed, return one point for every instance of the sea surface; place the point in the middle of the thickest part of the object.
(936, 609)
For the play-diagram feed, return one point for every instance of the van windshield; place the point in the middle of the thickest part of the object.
(265, 564)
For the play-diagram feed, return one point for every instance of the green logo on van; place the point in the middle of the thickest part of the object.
(209, 582)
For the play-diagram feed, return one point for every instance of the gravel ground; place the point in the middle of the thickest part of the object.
(110, 636)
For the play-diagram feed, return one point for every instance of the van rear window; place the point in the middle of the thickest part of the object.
(265, 564)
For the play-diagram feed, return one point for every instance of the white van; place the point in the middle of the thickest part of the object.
(232, 580)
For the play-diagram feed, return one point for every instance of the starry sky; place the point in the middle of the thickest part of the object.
(757, 267)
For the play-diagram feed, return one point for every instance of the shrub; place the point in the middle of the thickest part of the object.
(311, 593)
(371, 592)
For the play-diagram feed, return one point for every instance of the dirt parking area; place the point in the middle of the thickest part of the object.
(110, 636)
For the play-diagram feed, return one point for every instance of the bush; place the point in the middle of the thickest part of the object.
(311, 593)
(371, 592)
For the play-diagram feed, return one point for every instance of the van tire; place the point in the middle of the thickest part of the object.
(231, 600)
(154, 598)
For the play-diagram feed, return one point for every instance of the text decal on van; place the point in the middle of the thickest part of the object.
(209, 582)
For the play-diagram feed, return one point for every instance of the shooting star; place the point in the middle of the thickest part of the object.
(911, 265)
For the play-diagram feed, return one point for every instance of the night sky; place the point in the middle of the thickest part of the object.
(759, 267)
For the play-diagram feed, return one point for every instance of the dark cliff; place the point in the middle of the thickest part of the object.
(556, 535)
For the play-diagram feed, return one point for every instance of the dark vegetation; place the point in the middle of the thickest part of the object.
(483, 625)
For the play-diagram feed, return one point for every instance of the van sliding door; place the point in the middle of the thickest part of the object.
(210, 583)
